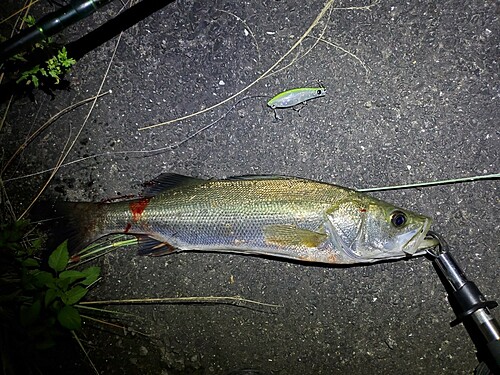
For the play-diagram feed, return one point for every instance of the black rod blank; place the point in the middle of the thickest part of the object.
(50, 25)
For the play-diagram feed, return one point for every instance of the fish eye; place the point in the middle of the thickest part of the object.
(319, 92)
(398, 219)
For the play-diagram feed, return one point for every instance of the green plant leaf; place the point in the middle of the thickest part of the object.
(74, 295)
(46, 343)
(59, 258)
(63, 284)
(30, 20)
(30, 263)
(35, 81)
(29, 74)
(43, 279)
(50, 296)
(68, 63)
(69, 317)
(92, 274)
(72, 275)
(37, 244)
(30, 313)
(57, 304)
(18, 57)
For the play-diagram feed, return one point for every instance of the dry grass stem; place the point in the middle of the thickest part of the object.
(209, 299)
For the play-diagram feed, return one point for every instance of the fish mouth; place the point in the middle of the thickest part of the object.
(418, 243)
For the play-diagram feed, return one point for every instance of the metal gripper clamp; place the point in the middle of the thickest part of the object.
(470, 306)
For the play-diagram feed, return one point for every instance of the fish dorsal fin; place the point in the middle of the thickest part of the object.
(167, 181)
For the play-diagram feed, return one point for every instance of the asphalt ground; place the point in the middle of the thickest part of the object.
(419, 102)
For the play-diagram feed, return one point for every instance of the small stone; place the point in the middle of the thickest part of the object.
(143, 351)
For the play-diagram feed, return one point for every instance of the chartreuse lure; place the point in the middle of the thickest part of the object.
(293, 97)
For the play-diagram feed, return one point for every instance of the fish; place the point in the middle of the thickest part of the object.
(282, 217)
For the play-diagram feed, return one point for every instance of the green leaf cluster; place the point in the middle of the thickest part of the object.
(39, 297)
(54, 68)
(55, 63)
(30, 20)
(12, 235)
(57, 290)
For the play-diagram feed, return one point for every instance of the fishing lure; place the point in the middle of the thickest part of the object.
(293, 97)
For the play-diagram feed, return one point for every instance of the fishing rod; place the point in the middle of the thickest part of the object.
(471, 308)
(49, 25)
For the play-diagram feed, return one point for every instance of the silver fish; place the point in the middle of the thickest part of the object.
(284, 217)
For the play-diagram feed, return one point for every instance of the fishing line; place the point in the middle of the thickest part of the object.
(147, 152)
(493, 176)
(205, 127)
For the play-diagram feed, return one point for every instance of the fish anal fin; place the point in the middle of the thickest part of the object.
(291, 235)
(153, 247)
(166, 181)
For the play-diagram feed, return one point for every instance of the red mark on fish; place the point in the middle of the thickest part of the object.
(127, 228)
(138, 207)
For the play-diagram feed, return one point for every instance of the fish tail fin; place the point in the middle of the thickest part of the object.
(78, 222)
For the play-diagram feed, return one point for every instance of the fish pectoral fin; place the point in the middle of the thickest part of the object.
(291, 235)
(153, 247)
